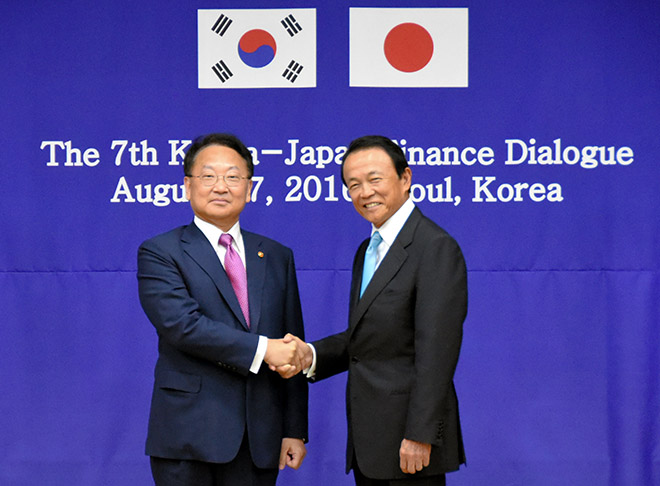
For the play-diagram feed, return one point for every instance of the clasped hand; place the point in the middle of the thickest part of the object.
(288, 356)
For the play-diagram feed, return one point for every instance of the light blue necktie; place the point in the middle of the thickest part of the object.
(370, 259)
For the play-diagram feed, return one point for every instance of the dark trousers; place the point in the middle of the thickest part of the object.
(413, 480)
(239, 472)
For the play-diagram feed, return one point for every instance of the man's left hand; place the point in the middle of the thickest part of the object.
(292, 453)
(414, 456)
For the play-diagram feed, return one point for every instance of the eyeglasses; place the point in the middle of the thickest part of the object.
(211, 179)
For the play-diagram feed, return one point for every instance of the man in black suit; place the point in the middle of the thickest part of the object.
(221, 300)
(404, 332)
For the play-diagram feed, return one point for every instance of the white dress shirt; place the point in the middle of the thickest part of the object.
(391, 228)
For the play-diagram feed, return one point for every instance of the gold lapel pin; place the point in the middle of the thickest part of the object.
(261, 254)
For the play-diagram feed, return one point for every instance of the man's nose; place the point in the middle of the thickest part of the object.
(220, 185)
(366, 190)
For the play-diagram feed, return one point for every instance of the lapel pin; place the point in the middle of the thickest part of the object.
(261, 254)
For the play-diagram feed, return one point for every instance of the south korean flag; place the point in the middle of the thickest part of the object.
(256, 48)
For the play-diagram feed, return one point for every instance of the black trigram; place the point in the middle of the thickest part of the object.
(221, 25)
(222, 71)
(291, 25)
(292, 71)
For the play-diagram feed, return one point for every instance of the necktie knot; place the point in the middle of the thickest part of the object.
(375, 241)
(226, 239)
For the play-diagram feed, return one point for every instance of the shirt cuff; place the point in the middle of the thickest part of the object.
(259, 355)
(311, 371)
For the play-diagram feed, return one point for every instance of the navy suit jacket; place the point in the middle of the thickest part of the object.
(401, 349)
(204, 395)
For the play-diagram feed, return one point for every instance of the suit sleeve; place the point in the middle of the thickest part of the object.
(166, 298)
(295, 425)
(331, 356)
(440, 309)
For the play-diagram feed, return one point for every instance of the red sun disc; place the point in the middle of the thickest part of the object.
(408, 47)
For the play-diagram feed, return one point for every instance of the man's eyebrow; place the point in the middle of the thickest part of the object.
(369, 174)
(229, 168)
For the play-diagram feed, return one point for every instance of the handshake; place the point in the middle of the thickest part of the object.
(288, 356)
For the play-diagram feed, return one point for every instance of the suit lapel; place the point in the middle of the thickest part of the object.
(198, 247)
(255, 260)
(395, 258)
(356, 278)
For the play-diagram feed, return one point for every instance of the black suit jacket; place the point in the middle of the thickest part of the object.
(401, 349)
(204, 395)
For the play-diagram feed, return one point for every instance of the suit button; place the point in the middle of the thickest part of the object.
(355, 360)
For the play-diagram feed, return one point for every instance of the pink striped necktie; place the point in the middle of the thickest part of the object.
(236, 273)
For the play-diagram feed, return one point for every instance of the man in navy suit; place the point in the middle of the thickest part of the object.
(221, 300)
(404, 331)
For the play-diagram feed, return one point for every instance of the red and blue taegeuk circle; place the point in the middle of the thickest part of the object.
(257, 48)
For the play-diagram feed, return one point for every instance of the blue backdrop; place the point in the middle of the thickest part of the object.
(558, 378)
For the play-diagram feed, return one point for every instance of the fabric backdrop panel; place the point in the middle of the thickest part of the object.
(544, 168)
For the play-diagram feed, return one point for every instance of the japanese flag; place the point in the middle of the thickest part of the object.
(409, 47)
(256, 48)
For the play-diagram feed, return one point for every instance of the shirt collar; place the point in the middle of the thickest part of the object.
(213, 233)
(390, 228)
